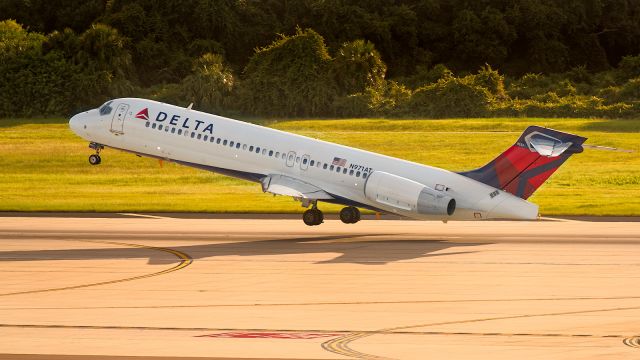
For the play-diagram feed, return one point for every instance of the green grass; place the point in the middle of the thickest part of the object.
(43, 166)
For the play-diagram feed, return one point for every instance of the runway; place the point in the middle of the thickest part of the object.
(161, 287)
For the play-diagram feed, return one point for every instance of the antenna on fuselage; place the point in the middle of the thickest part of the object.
(190, 106)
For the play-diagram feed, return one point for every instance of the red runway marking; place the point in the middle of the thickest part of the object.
(270, 335)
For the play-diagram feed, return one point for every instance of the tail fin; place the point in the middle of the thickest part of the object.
(526, 165)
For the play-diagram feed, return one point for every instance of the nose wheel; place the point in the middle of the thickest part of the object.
(95, 159)
(350, 215)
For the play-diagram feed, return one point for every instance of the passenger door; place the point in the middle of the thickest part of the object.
(291, 158)
(117, 124)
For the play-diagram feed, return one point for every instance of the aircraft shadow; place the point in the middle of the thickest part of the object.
(349, 249)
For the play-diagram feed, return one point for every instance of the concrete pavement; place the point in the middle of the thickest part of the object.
(274, 288)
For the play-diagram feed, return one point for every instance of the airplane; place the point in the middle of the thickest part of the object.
(312, 171)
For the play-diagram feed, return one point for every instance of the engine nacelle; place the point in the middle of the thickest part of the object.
(408, 195)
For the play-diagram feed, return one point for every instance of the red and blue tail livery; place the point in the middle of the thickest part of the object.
(526, 165)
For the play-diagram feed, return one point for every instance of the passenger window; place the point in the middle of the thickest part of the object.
(270, 152)
(160, 127)
(237, 145)
(218, 141)
(199, 136)
(291, 157)
(324, 166)
(186, 133)
(257, 150)
(283, 156)
(351, 172)
(193, 135)
(166, 129)
(251, 148)
(298, 159)
(231, 143)
(358, 174)
(224, 142)
(206, 137)
(364, 175)
(264, 151)
(147, 124)
(173, 130)
(212, 139)
(179, 131)
(277, 154)
(331, 167)
(304, 162)
(338, 169)
(344, 171)
(312, 162)
(153, 126)
(244, 147)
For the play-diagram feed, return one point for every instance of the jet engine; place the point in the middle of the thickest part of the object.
(404, 194)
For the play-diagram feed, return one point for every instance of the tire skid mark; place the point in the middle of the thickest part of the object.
(185, 260)
(633, 342)
(341, 344)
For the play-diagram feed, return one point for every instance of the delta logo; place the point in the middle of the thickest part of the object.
(143, 114)
(178, 121)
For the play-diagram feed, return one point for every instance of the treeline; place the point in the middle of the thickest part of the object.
(420, 58)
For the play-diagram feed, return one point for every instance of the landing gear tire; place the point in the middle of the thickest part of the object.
(94, 159)
(313, 217)
(350, 215)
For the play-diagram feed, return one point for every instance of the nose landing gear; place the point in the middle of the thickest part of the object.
(95, 159)
(350, 215)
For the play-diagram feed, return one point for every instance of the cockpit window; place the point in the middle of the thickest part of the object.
(106, 108)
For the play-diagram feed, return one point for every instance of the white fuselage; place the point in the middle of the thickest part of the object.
(264, 151)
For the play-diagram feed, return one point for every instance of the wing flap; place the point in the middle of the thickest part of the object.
(288, 186)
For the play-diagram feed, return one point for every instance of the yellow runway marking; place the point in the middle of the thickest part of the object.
(185, 260)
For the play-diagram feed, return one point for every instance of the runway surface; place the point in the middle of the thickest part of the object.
(161, 287)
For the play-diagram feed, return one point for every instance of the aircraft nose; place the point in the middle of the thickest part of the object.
(76, 123)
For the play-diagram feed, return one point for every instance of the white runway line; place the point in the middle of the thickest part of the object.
(559, 220)
(144, 216)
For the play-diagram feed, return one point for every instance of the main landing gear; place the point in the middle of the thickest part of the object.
(350, 215)
(94, 159)
(313, 216)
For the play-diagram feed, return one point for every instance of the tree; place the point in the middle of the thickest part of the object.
(210, 84)
(31, 83)
(290, 77)
(357, 66)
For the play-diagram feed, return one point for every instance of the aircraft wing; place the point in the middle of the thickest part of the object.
(288, 186)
